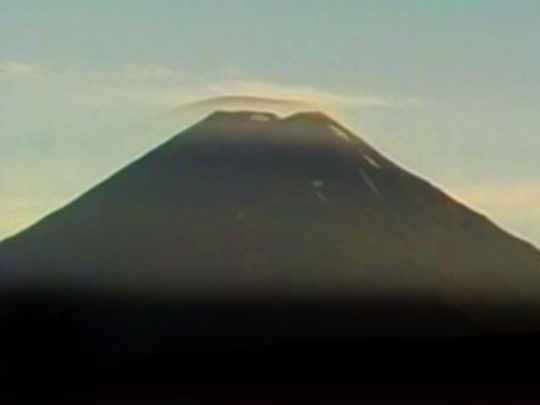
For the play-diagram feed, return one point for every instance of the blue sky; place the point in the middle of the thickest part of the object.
(449, 89)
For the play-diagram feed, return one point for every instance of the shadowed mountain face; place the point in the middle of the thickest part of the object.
(246, 203)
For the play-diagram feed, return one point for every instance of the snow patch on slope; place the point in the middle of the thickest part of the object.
(369, 182)
(372, 161)
(339, 132)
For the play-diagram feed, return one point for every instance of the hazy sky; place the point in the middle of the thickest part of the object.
(450, 89)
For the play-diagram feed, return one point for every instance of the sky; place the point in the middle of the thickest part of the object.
(448, 89)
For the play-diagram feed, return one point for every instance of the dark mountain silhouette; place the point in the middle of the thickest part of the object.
(247, 225)
(249, 201)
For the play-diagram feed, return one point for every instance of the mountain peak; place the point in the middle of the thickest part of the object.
(309, 127)
(317, 117)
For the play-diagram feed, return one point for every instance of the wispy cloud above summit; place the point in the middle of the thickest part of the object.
(13, 69)
(17, 70)
(172, 86)
(310, 94)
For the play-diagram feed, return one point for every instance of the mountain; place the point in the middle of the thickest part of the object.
(248, 204)
(249, 236)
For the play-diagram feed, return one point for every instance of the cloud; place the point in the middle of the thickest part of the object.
(176, 86)
(119, 88)
(15, 69)
(308, 94)
(151, 72)
(203, 107)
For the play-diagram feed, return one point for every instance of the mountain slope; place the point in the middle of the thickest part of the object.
(249, 203)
